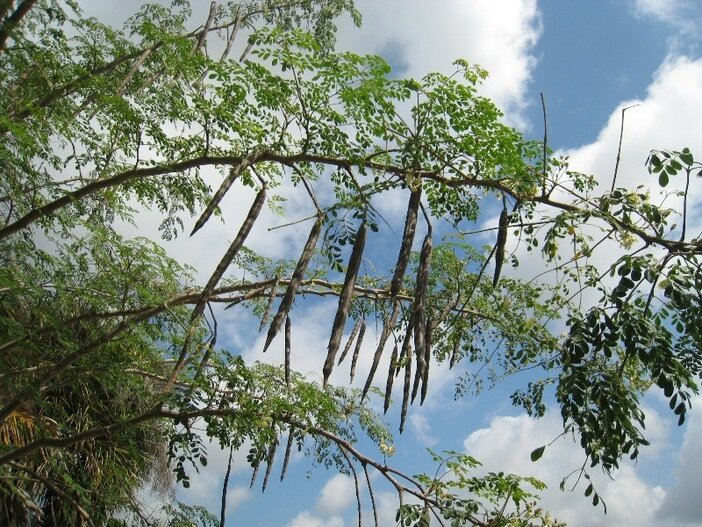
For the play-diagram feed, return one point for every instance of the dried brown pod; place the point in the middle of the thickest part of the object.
(269, 464)
(406, 348)
(357, 349)
(406, 245)
(391, 377)
(244, 231)
(269, 305)
(421, 366)
(234, 173)
(344, 301)
(286, 457)
(430, 326)
(287, 350)
(406, 386)
(374, 366)
(419, 308)
(254, 474)
(294, 284)
(352, 336)
(388, 324)
(500, 245)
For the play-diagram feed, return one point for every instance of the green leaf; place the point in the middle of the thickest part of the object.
(537, 453)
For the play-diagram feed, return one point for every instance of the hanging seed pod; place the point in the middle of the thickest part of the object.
(287, 350)
(391, 378)
(406, 245)
(298, 274)
(374, 366)
(352, 336)
(430, 325)
(388, 324)
(419, 309)
(234, 173)
(357, 349)
(500, 245)
(269, 305)
(344, 301)
(406, 387)
(225, 485)
(421, 364)
(269, 466)
(244, 231)
(406, 348)
(254, 474)
(286, 458)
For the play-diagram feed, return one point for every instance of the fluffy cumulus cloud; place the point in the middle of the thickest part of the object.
(668, 117)
(660, 9)
(685, 15)
(631, 500)
(500, 40)
(306, 519)
(682, 504)
(421, 428)
(506, 445)
(335, 497)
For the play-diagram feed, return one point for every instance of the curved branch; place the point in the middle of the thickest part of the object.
(390, 474)
(13, 20)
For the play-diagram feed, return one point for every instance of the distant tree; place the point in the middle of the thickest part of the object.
(109, 353)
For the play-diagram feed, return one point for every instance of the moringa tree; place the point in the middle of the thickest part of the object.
(109, 349)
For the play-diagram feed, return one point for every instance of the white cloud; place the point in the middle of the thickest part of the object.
(386, 507)
(334, 499)
(336, 495)
(507, 443)
(305, 519)
(669, 117)
(427, 36)
(206, 484)
(237, 496)
(683, 15)
(422, 429)
(682, 501)
(659, 9)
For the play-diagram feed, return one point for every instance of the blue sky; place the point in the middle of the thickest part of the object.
(590, 59)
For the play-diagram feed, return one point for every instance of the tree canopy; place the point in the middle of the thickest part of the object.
(109, 349)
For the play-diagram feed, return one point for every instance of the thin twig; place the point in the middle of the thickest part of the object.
(543, 168)
(355, 484)
(684, 215)
(222, 515)
(372, 496)
(619, 149)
